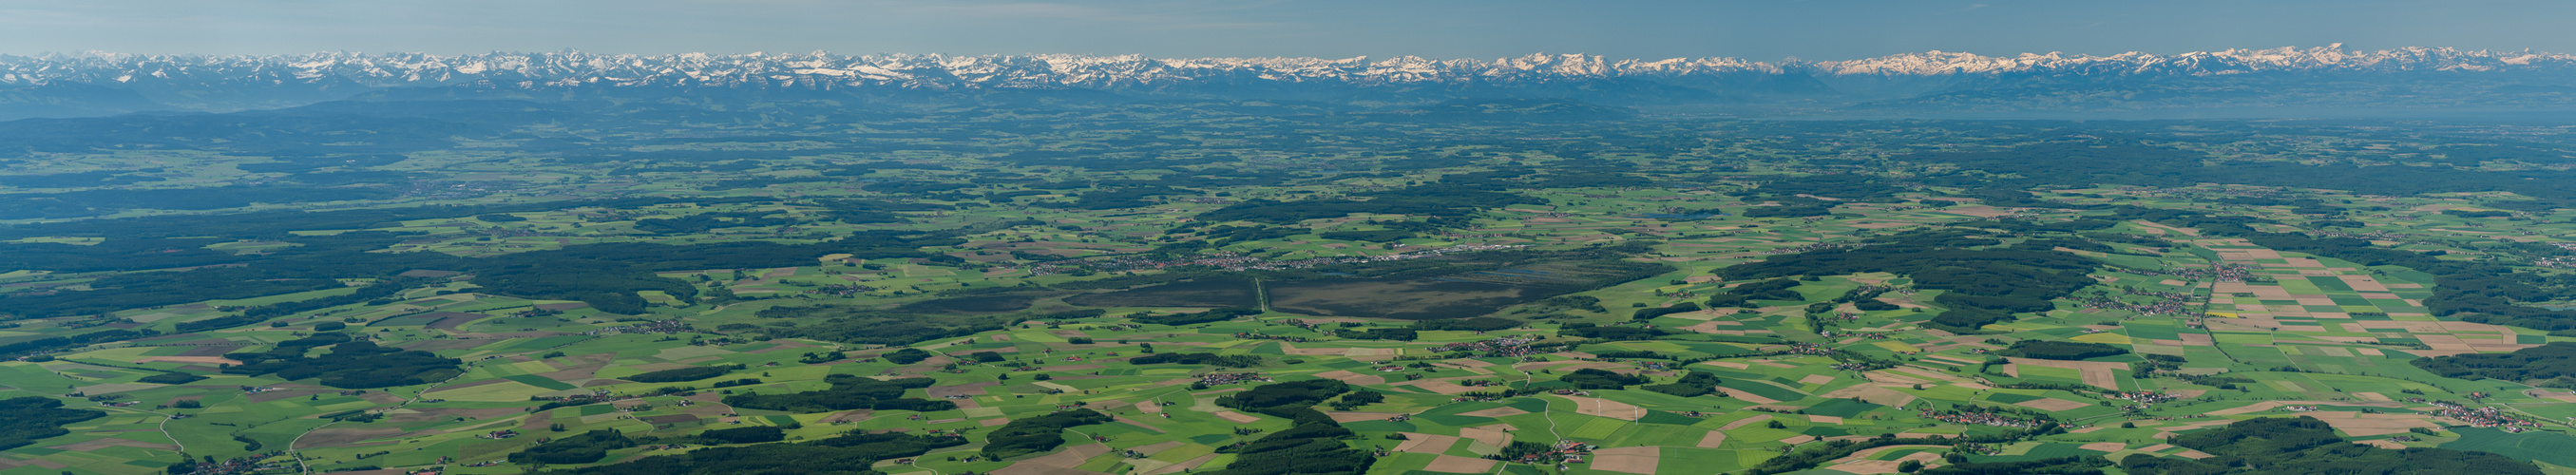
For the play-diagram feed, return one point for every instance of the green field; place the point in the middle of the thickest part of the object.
(1478, 276)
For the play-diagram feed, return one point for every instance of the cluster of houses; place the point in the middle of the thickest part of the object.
(665, 326)
(1507, 347)
(1214, 379)
(1265, 336)
(2163, 303)
(2483, 417)
(2142, 397)
(1979, 418)
(1564, 451)
(239, 465)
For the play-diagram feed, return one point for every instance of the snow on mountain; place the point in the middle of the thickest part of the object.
(1114, 72)
(2327, 59)
(100, 83)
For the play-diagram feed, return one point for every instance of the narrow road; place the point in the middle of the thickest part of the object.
(164, 426)
(1261, 295)
(1546, 410)
(415, 397)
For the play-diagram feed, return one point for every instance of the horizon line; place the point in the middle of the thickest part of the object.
(2334, 47)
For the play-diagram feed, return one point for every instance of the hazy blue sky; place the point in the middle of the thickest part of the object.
(1764, 30)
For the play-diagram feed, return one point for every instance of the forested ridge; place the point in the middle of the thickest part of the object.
(2551, 365)
(847, 392)
(1987, 281)
(1037, 434)
(350, 363)
(36, 417)
(2304, 445)
(1313, 446)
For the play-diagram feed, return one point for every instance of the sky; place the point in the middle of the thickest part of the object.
(1645, 29)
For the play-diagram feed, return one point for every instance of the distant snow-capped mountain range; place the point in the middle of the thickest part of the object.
(93, 83)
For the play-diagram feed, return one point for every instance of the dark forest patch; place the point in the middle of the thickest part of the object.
(973, 304)
(350, 364)
(852, 324)
(2543, 365)
(847, 392)
(1453, 290)
(1219, 291)
(2061, 350)
(33, 417)
(1987, 282)
(1408, 299)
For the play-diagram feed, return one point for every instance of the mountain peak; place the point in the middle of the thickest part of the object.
(417, 69)
(179, 81)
